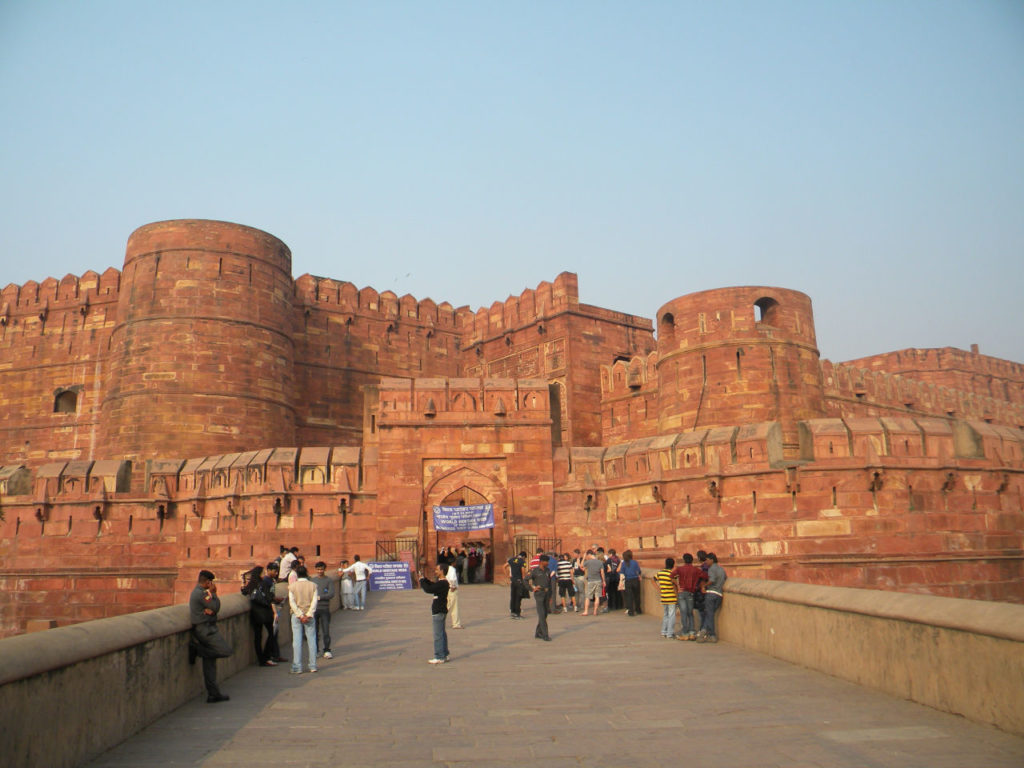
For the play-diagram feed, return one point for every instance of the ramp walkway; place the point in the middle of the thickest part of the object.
(607, 691)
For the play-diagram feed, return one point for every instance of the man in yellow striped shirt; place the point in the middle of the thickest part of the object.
(667, 592)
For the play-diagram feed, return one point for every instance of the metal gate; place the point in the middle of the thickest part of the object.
(393, 550)
(529, 544)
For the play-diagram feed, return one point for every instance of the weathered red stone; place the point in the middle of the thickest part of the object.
(200, 408)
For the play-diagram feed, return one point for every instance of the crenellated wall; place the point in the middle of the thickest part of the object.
(852, 389)
(548, 334)
(346, 339)
(918, 505)
(54, 353)
(137, 408)
(968, 371)
(81, 544)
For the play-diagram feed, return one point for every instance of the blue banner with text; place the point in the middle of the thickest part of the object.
(471, 518)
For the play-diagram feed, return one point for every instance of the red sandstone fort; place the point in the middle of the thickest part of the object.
(200, 407)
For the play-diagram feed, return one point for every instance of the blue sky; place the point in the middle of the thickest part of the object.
(870, 154)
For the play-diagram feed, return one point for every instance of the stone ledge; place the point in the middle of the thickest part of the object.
(999, 620)
(24, 656)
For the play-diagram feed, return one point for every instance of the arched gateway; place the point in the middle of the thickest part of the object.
(465, 486)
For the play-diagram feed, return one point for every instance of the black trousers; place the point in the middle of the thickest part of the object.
(210, 645)
(323, 630)
(262, 618)
(614, 596)
(541, 599)
(515, 600)
(633, 596)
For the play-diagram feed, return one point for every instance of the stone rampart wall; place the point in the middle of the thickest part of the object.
(855, 391)
(958, 656)
(54, 358)
(953, 368)
(911, 505)
(71, 693)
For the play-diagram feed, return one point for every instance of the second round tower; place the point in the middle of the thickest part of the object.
(738, 356)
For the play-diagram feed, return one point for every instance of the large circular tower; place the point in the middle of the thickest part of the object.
(736, 356)
(202, 353)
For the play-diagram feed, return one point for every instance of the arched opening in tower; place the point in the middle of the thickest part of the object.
(766, 310)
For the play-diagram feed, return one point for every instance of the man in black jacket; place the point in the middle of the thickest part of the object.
(540, 579)
(206, 642)
(516, 567)
(438, 612)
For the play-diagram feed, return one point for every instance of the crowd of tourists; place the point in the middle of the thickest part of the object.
(586, 583)
(284, 590)
(686, 588)
(472, 561)
(601, 582)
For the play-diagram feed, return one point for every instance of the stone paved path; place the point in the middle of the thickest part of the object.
(607, 691)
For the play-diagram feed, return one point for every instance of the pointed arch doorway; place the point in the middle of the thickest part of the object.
(478, 545)
(467, 484)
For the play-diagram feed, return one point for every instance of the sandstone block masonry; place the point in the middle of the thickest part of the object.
(202, 407)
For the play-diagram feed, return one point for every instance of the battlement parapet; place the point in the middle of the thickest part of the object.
(921, 361)
(70, 290)
(74, 302)
(322, 293)
(751, 448)
(15, 480)
(863, 387)
(531, 306)
(271, 470)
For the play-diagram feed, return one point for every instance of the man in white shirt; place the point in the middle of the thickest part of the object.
(292, 576)
(362, 572)
(303, 599)
(287, 558)
(452, 576)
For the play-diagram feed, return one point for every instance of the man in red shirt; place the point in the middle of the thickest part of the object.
(535, 560)
(688, 578)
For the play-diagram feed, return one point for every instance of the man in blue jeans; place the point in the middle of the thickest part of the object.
(438, 611)
(362, 572)
(712, 600)
(302, 599)
(689, 579)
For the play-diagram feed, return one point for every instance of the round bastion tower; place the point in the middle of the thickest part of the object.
(736, 356)
(202, 353)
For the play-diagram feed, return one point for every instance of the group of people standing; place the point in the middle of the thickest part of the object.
(284, 579)
(596, 581)
(309, 599)
(471, 559)
(690, 587)
(600, 582)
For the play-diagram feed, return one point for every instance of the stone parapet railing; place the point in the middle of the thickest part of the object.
(70, 693)
(965, 657)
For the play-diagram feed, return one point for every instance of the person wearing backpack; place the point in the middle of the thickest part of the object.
(261, 614)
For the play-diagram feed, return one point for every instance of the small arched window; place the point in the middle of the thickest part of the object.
(65, 401)
(765, 311)
(667, 327)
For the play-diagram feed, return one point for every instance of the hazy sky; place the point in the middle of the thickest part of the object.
(870, 154)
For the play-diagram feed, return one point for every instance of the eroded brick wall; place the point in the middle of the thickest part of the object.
(54, 343)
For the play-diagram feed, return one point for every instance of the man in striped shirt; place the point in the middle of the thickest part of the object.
(667, 593)
(565, 586)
